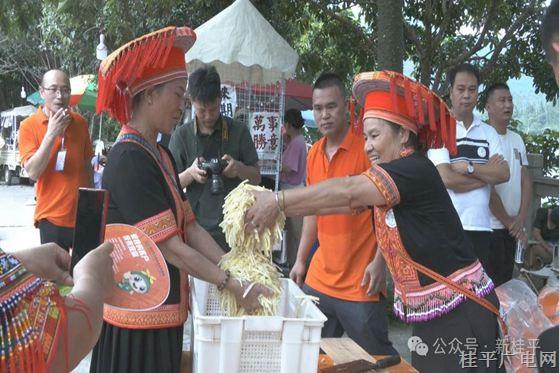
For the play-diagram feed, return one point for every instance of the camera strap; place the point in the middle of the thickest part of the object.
(224, 137)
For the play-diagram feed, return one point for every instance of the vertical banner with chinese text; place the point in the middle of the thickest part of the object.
(265, 129)
(228, 100)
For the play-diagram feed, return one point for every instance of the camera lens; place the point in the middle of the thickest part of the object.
(217, 186)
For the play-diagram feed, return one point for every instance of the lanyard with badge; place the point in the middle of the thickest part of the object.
(60, 157)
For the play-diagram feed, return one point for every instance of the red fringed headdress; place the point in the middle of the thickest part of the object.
(398, 99)
(152, 59)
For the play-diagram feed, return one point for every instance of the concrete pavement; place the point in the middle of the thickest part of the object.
(17, 205)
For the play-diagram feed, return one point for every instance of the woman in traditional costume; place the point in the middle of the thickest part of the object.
(142, 85)
(41, 331)
(439, 285)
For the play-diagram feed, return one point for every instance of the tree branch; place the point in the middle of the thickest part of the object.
(412, 35)
(437, 81)
(508, 35)
(447, 16)
(324, 9)
(479, 44)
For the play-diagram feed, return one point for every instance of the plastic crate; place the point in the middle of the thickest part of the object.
(286, 343)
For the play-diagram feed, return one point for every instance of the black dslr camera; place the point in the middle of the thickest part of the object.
(214, 167)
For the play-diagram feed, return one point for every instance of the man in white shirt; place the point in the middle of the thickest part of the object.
(478, 164)
(510, 201)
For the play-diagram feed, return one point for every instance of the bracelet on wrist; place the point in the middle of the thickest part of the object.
(224, 282)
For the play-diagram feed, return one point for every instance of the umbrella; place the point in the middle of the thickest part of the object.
(84, 93)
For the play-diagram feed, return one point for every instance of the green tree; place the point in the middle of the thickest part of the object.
(502, 37)
(390, 44)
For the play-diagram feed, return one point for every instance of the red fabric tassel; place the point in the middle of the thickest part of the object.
(408, 95)
(12, 364)
(420, 111)
(394, 95)
(442, 124)
(41, 354)
(21, 358)
(32, 348)
(451, 146)
(431, 108)
(58, 302)
(151, 51)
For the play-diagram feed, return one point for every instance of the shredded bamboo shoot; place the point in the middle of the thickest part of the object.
(250, 258)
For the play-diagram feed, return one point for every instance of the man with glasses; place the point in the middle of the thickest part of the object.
(56, 151)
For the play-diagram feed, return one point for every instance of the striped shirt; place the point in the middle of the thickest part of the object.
(476, 144)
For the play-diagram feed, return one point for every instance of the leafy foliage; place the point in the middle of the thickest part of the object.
(502, 37)
(544, 143)
(537, 117)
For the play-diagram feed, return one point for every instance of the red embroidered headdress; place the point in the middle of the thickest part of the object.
(155, 58)
(398, 99)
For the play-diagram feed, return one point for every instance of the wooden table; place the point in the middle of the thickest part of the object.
(344, 350)
(341, 350)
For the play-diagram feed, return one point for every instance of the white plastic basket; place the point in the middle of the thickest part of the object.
(286, 343)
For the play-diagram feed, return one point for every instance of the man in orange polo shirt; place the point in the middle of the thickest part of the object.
(345, 273)
(56, 151)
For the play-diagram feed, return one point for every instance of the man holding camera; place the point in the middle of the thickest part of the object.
(213, 153)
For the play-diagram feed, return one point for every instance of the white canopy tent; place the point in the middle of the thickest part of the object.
(243, 47)
(251, 57)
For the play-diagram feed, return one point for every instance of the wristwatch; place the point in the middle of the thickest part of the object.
(470, 168)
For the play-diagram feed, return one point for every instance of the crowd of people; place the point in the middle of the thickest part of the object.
(416, 185)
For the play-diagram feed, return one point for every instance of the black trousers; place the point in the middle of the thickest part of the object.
(364, 322)
(62, 236)
(503, 261)
(463, 340)
(484, 249)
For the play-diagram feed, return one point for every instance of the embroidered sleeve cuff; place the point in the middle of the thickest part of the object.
(159, 227)
(384, 184)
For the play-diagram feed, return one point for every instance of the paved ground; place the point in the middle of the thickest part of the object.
(16, 217)
(17, 231)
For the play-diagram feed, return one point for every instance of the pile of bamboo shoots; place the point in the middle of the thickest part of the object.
(250, 258)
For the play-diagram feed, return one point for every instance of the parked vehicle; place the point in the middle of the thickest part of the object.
(10, 168)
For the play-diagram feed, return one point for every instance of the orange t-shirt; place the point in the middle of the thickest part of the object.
(57, 192)
(347, 242)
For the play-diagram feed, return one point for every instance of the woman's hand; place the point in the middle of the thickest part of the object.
(263, 212)
(247, 294)
(48, 261)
